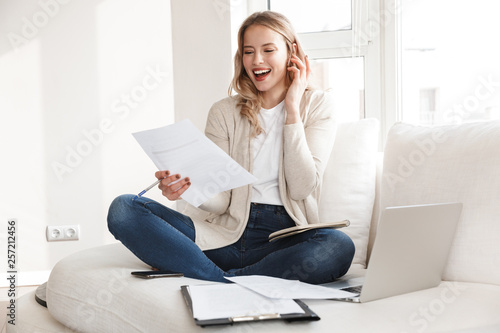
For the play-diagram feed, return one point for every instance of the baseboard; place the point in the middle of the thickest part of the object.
(33, 278)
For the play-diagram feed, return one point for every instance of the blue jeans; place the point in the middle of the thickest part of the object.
(164, 238)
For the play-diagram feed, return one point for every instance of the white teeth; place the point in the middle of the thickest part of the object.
(262, 71)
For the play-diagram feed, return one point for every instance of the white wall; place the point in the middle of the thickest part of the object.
(66, 69)
(77, 78)
(202, 54)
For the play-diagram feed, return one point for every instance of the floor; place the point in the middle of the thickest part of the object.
(4, 301)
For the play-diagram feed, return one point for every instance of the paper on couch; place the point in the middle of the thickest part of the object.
(182, 148)
(287, 289)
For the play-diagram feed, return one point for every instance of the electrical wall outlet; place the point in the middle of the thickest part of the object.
(63, 233)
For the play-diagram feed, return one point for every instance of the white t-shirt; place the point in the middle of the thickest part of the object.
(266, 156)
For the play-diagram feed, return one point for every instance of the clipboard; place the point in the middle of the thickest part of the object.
(308, 315)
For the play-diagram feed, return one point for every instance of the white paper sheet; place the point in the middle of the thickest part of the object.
(231, 300)
(287, 289)
(182, 148)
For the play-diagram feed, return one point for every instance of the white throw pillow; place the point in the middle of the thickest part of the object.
(348, 190)
(451, 163)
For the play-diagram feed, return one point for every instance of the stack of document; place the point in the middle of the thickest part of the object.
(234, 301)
(252, 298)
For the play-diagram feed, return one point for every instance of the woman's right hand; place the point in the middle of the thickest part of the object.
(172, 186)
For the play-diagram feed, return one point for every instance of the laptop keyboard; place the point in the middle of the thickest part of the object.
(354, 289)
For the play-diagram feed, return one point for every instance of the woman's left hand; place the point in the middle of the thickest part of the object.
(301, 73)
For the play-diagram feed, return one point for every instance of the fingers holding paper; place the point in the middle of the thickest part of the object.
(172, 186)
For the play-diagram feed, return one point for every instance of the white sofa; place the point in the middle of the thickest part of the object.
(92, 291)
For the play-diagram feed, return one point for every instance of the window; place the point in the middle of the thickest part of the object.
(344, 78)
(427, 105)
(339, 43)
(426, 62)
(328, 15)
(450, 70)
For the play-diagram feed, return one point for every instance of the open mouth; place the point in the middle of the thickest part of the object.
(261, 74)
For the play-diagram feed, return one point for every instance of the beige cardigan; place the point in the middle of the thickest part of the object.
(305, 151)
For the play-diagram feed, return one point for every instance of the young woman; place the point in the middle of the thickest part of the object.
(281, 131)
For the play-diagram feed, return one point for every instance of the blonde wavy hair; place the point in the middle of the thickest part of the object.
(250, 99)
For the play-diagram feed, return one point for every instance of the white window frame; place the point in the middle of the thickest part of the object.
(390, 53)
(363, 40)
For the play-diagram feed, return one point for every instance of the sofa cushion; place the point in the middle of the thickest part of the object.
(348, 190)
(93, 291)
(451, 163)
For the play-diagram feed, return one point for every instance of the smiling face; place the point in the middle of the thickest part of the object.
(265, 59)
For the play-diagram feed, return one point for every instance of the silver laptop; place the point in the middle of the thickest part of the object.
(409, 254)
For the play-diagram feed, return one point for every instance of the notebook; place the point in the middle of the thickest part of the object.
(409, 254)
(303, 228)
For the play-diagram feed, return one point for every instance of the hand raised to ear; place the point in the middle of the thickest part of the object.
(301, 72)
